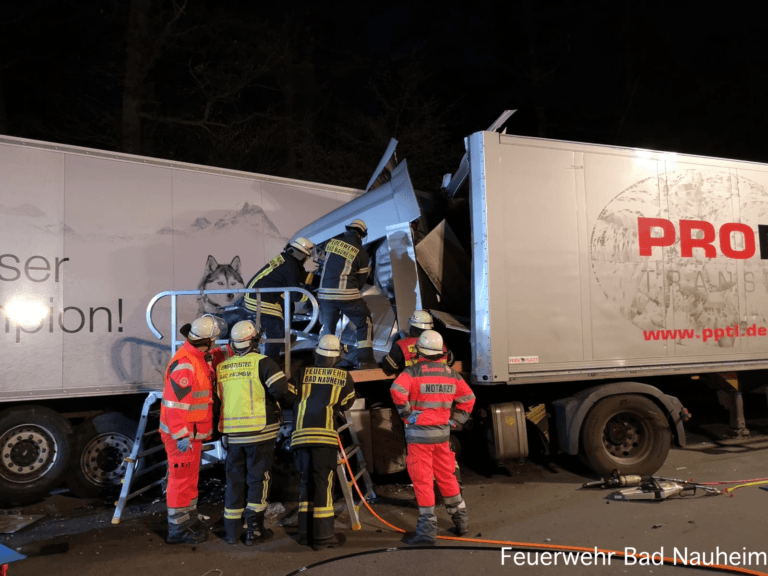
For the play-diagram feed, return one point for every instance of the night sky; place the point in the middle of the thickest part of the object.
(315, 90)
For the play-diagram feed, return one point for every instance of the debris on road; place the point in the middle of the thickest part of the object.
(10, 523)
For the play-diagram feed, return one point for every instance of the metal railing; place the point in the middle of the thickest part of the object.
(174, 294)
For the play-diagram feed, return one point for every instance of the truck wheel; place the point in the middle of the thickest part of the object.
(101, 445)
(626, 432)
(34, 450)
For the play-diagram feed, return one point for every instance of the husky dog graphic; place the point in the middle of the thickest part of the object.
(219, 277)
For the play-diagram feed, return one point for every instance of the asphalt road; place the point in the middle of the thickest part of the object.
(534, 503)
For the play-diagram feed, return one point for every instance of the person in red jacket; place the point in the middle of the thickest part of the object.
(432, 398)
(403, 352)
(186, 420)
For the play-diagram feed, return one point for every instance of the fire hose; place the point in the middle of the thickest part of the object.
(558, 547)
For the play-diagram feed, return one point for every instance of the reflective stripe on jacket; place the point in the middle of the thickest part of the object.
(187, 406)
(436, 391)
(249, 387)
(321, 392)
(403, 354)
(345, 270)
(283, 271)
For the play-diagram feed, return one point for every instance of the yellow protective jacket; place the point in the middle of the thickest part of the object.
(249, 388)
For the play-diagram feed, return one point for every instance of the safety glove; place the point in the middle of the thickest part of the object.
(412, 418)
(183, 444)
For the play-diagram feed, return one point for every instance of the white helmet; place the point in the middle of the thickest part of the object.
(207, 327)
(422, 319)
(243, 335)
(430, 343)
(359, 226)
(329, 346)
(303, 245)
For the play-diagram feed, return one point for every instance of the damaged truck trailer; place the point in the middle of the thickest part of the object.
(575, 283)
(89, 237)
(580, 285)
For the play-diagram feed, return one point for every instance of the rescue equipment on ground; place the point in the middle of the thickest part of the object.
(659, 488)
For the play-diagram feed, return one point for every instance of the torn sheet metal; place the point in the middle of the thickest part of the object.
(452, 183)
(383, 316)
(405, 275)
(444, 260)
(452, 322)
(393, 202)
(383, 172)
(382, 271)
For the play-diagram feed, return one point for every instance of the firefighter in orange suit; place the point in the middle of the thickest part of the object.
(432, 398)
(186, 420)
(403, 352)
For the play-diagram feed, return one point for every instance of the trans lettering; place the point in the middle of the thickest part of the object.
(702, 235)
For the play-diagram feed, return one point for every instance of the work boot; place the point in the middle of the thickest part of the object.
(335, 541)
(458, 514)
(256, 531)
(426, 529)
(232, 530)
(365, 359)
(187, 534)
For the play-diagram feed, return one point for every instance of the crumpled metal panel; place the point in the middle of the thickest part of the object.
(384, 323)
(387, 209)
(388, 163)
(405, 275)
(393, 202)
(382, 272)
(452, 183)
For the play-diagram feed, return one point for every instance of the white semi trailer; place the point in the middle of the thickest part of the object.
(575, 282)
(582, 283)
(88, 238)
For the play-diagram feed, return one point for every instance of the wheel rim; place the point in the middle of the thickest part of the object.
(102, 461)
(27, 453)
(627, 438)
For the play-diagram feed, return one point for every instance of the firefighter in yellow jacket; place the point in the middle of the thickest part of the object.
(186, 420)
(322, 390)
(250, 386)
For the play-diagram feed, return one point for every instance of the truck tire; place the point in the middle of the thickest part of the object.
(100, 446)
(627, 432)
(34, 453)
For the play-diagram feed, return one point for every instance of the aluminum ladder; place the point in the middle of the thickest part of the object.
(213, 452)
(353, 452)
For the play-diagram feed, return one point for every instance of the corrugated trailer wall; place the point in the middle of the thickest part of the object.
(608, 262)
